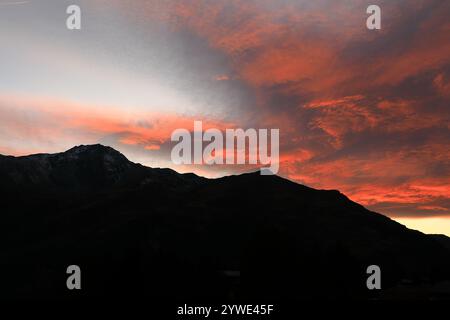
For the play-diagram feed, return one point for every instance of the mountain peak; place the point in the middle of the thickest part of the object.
(83, 166)
(109, 154)
(92, 148)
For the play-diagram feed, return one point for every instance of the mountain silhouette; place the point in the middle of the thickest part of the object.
(137, 231)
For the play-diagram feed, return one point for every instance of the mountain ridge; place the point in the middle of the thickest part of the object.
(170, 229)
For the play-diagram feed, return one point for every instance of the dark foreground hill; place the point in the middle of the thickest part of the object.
(142, 232)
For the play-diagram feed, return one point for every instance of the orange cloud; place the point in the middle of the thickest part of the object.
(152, 147)
(399, 178)
(310, 47)
(58, 121)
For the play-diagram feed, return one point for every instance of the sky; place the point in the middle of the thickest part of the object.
(362, 111)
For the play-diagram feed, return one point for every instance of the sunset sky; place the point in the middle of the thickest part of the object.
(363, 111)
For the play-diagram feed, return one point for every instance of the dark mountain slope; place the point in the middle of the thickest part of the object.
(138, 231)
(442, 239)
(82, 168)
